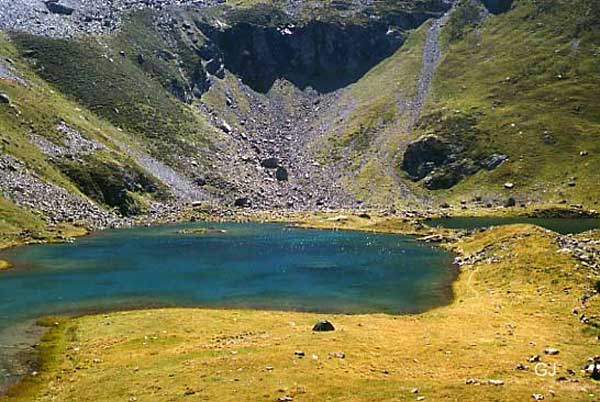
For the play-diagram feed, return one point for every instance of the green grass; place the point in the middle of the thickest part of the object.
(132, 96)
(524, 73)
(38, 109)
(19, 226)
(501, 86)
(368, 139)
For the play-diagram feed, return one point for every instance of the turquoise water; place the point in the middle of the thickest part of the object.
(559, 225)
(250, 266)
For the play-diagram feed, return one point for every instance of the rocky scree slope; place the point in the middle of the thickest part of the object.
(165, 83)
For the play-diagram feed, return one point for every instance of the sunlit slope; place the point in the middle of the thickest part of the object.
(520, 84)
(524, 84)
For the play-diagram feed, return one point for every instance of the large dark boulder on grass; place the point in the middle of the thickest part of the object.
(424, 155)
(323, 326)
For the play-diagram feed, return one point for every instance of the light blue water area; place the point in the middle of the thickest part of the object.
(559, 225)
(250, 266)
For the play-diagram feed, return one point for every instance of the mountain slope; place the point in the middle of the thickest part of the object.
(279, 104)
(518, 85)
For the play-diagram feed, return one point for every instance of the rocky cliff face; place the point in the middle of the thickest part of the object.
(497, 6)
(323, 55)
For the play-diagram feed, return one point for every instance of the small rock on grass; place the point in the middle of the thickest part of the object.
(551, 351)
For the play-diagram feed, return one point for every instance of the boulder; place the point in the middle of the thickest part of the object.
(593, 368)
(4, 98)
(243, 202)
(225, 127)
(270, 163)
(323, 326)
(200, 181)
(441, 179)
(281, 174)
(423, 156)
(493, 161)
(59, 7)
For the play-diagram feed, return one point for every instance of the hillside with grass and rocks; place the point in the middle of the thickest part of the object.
(115, 110)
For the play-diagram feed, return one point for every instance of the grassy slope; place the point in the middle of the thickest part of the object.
(131, 95)
(368, 139)
(39, 107)
(503, 313)
(533, 44)
(522, 73)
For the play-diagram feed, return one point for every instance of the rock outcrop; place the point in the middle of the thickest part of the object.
(442, 164)
(323, 55)
(497, 6)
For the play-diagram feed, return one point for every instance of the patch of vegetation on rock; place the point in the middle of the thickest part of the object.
(111, 184)
(201, 231)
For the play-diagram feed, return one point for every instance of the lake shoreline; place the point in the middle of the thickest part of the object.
(492, 254)
(35, 364)
(406, 224)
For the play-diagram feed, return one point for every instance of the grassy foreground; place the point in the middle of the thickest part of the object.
(512, 305)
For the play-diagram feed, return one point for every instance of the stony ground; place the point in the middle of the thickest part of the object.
(25, 188)
(68, 18)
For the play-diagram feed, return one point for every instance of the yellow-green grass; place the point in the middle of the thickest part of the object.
(503, 313)
(4, 265)
(19, 226)
(369, 138)
(523, 75)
